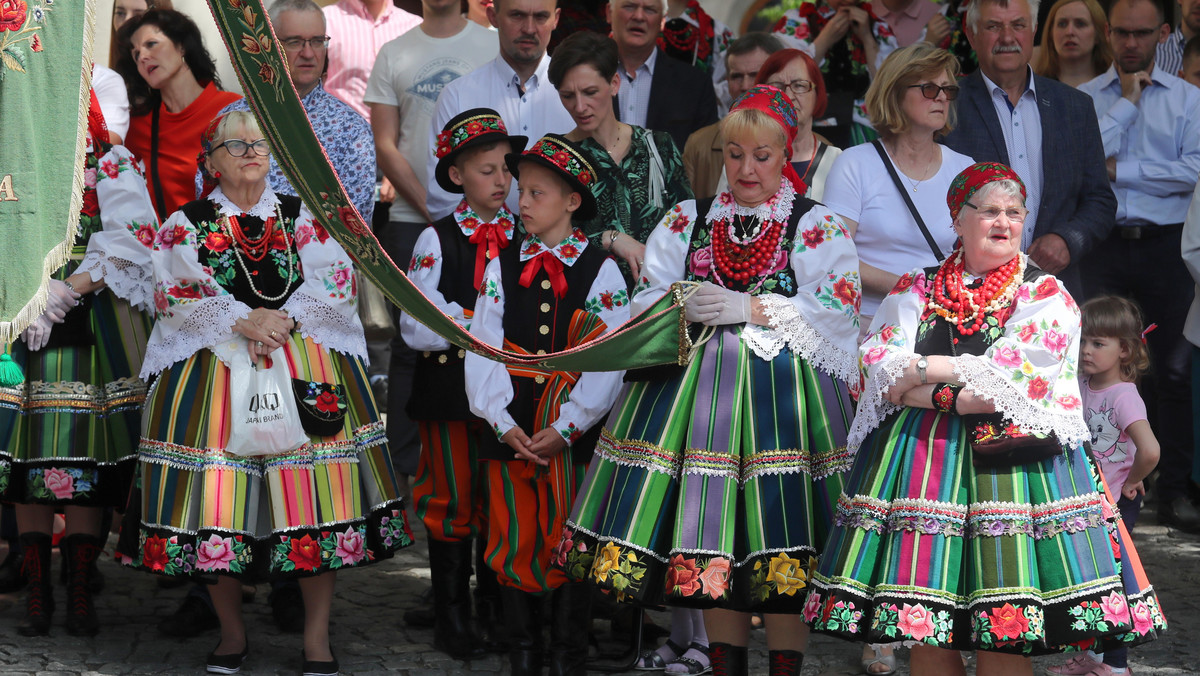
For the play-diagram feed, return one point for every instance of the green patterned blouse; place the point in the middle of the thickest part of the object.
(623, 193)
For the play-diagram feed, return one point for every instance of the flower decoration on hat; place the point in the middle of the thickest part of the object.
(467, 130)
(970, 180)
(566, 158)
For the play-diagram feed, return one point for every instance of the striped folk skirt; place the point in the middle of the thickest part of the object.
(716, 487)
(1028, 559)
(334, 503)
(69, 433)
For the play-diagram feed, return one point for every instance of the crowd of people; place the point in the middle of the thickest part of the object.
(930, 373)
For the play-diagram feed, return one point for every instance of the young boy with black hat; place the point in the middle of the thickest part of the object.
(447, 266)
(550, 293)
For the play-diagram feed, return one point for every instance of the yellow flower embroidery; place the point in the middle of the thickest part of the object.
(608, 561)
(787, 574)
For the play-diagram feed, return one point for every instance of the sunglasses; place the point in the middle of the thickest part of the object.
(931, 91)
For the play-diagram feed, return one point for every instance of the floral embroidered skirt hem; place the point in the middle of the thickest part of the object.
(713, 488)
(1030, 559)
(69, 433)
(332, 504)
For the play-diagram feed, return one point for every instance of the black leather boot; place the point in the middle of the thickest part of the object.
(522, 619)
(450, 573)
(487, 603)
(39, 594)
(786, 662)
(727, 660)
(80, 552)
(570, 625)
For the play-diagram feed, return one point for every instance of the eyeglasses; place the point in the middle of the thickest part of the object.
(1139, 34)
(931, 91)
(796, 87)
(238, 148)
(296, 44)
(990, 212)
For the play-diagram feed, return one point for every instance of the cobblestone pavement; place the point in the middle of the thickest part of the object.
(370, 637)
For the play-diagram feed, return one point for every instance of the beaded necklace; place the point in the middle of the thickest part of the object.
(230, 225)
(753, 255)
(966, 308)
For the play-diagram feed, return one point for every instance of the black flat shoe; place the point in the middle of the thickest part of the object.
(227, 664)
(1180, 513)
(314, 668)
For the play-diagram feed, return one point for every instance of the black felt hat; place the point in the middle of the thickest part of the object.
(475, 127)
(555, 152)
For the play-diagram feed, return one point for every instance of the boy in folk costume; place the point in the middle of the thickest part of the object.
(550, 292)
(447, 266)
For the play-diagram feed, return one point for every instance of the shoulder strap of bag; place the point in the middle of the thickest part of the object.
(887, 162)
(658, 183)
(160, 204)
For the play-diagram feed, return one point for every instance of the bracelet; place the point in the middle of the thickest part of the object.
(945, 397)
(72, 286)
(612, 238)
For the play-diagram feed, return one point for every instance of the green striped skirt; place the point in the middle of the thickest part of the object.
(714, 488)
(69, 433)
(1027, 559)
(334, 503)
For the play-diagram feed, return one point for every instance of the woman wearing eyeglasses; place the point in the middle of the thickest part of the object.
(173, 94)
(245, 270)
(796, 74)
(911, 103)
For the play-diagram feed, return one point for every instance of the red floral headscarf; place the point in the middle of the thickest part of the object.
(206, 146)
(776, 105)
(970, 180)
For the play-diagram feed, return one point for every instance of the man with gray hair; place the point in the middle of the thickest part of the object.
(1043, 129)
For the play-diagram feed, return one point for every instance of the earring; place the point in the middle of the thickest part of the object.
(216, 174)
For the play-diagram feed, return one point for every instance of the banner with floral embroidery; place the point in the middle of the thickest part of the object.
(45, 75)
(657, 336)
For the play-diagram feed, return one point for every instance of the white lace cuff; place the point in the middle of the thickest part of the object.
(325, 325)
(789, 329)
(124, 278)
(873, 407)
(208, 324)
(983, 381)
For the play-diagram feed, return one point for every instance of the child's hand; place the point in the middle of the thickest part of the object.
(519, 441)
(1131, 491)
(546, 444)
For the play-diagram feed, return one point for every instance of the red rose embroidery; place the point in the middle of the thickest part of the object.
(279, 241)
(145, 235)
(109, 167)
(305, 553)
(91, 207)
(327, 402)
(1009, 622)
(568, 250)
(585, 177)
(474, 128)
(843, 290)
(679, 224)
(12, 15)
(169, 237)
(184, 292)
(1047, 287)
(560, 158)
(217, 242)
(606, 299)
(154, 553)
(813, 237)
(902, 284)
(1038, 388)
(682, 576)
(321, 232)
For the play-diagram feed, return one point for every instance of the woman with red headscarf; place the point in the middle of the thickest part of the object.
(713, 484)
(974, 519)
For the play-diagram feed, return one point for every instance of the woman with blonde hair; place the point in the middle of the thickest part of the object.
(1076, 50)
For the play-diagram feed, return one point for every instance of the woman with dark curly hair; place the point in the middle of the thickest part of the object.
(173, 95)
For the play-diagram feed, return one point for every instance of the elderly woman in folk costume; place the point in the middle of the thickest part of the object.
(697, 495)
(245, 271)
(973, 518)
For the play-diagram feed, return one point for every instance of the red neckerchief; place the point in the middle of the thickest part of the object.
(554, 270)
(489, 239)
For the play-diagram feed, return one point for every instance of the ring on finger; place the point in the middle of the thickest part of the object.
(274, 334)
(260, 343)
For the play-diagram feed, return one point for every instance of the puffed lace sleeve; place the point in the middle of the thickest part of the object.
(120, 254)
(326, 304)
(596, 391)
(192, 311)
(1030, 372)
(887, 351)
(666, 254)
(819, 322)
(489, 388)
(425, 270)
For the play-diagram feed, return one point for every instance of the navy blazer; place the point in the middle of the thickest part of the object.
(682, 99)
(1077, 200)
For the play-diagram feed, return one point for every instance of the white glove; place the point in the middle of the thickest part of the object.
(704, 305)
(735, 308)
(38, 333)
(59, 300)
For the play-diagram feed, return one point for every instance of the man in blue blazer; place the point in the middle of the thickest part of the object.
(1046, 131)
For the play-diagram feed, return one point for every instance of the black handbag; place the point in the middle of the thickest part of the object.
(995, 444)
(322, 406)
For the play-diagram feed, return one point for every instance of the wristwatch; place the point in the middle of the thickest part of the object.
(922, 364)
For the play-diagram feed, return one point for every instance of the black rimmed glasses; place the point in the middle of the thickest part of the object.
(931, 91)
(239, 148)
(990, 212)
(796, 87)
(296, 44)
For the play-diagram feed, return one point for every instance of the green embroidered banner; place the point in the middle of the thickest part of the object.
(657, 336)
(45, 76)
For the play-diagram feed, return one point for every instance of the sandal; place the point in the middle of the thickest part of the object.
(691, 665)
(651, 660)
(888, 661)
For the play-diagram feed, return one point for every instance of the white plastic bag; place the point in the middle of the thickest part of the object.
(263, 415)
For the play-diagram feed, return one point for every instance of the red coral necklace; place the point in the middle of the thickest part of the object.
(966, 308)
(742, 262)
